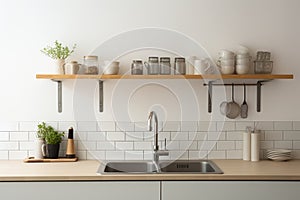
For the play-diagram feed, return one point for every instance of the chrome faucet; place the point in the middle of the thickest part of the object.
(156, 152)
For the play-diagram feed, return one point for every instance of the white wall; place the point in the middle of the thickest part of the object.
(27, 26)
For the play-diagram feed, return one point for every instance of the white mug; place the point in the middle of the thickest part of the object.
(201, 66)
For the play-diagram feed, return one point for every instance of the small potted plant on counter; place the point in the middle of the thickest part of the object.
(59, 53)
(52, 138)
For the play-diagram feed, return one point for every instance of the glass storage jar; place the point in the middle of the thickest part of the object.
(91, 64)
(165, 66)
(137, 67)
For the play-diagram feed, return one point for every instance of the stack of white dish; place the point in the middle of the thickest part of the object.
(226, 61)
(243, 60)
(279, 154)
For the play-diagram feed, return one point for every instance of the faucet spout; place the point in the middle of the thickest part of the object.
(150, 128)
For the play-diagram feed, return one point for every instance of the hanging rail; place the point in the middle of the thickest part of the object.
(258, 85)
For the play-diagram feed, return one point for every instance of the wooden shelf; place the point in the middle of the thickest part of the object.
(208, 76)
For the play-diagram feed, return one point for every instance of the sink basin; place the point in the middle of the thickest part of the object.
(190, 166)
(127, 167)
(148, 167)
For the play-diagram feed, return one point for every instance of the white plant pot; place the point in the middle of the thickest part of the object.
(60, 66)
(38, 144)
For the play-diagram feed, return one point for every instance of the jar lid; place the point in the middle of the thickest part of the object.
(179, 59)
(165, 59)
(90, 57)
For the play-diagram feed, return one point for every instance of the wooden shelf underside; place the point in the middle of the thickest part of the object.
(209, 76)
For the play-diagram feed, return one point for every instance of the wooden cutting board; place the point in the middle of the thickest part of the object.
(32, 159)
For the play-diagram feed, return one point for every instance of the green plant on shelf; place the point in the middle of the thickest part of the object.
(58, 51)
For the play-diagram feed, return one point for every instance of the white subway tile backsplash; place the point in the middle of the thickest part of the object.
(291, 135)
(234, 154)
(27, 145)
(266, 144)
(194, 140)
(86, 126)
(4, 155)
(296, 125)
(264, 125)
(64, 126)
(198, 136)
(18, 136)
(273, 135)
(134, 155)
(296, 144)
(124, 126)
(283, 125)
(225, 145)
(179, 135)
(234, 135)
(189, 126)
(87, 145)
(173, 145)
(17, 155)
(4, 136)
(96, 155)
(207, 126)
(135, 136)
(283, 144)
(115, 155)
(207, 145)
(188, 145)
(217, 155)
(176, 155)
(9, 126)
(140, 126)
(143, 145)
(106, 126)
(242, 126)
(29, 126)
(124, 145)
(171, 126)
(296, 154)
(95, 136)
(239, 145)
(197, 155)
(225, 126)
(105, 146)
(216, 136)
(115, 136)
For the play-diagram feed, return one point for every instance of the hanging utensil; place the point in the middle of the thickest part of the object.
(233, 108)
(244, 106)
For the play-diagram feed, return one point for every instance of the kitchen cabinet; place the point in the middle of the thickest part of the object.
(210, 78)
(107, 190)
(230, 190)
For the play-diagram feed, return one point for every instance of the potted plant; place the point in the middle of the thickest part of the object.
(52, 138)
(59, 53)
(40, 140)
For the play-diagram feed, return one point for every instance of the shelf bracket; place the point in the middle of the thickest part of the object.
(210, 96)
(59, 95)
(101, 96)
(258, 96)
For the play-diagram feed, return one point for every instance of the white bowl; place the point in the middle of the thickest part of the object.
(227, 69)
(226, 54)
(242, 69)
(243, 61)
(241, 56)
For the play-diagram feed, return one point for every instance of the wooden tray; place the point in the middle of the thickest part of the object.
(32, 159)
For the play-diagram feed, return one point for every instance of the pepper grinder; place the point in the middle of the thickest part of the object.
(70, 145)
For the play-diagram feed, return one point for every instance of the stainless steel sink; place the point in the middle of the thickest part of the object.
(127, 167)
(149, 167)
(190, 166)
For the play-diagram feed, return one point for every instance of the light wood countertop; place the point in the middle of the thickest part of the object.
(86, 171)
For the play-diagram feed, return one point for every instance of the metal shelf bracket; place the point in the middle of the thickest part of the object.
(101, 96)
(59, 95)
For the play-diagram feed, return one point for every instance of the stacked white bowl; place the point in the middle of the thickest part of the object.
(243, 60)
(226, 61)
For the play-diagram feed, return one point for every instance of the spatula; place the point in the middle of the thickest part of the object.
(244, 106)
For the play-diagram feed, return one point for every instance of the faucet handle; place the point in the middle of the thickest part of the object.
(165, 146)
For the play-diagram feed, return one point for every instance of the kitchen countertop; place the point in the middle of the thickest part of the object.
(85, 170)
